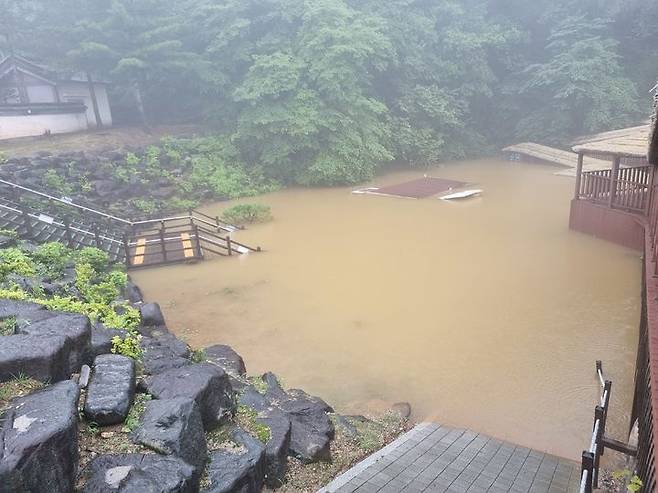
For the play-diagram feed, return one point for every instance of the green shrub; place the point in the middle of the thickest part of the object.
(15, 261)
(52, 258)
(98, 259)
(128, 346)
(247, 213)
(56, 182)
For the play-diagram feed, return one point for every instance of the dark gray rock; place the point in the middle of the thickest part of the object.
(137, 473)
(43, 358)
(132, 293)
(253, 399)
(277, 447)
(231, 362)
(19, 309)
(206, 384)
(101, 341)
(274, 389)
(226, 358)
(312, 430)
(73, 326)
(7, 241)
(240, 469)
(151, 315)
(163, 351)
(174, 427)
(111, 389)
(39, 441)
(104, 188)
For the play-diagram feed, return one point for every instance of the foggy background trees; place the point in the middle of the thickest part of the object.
(325, 91)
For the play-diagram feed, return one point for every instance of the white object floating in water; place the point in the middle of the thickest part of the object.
(363, 191)
(241, 250)
(465, 194)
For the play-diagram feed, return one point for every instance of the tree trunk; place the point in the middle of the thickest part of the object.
(94, 101)
(137, 94)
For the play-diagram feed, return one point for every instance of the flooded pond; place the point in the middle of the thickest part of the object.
(487, 314)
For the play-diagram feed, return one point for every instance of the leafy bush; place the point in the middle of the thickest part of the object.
(52, 258)
(247, 213)
(98, 259)
(15, 261)
(128, 346)
(56, 182)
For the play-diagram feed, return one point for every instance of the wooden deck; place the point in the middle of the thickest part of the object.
(435, 458)
(148, 250)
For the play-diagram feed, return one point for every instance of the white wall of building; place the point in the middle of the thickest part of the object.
(44, 93)
(33, 125)
(79, 92)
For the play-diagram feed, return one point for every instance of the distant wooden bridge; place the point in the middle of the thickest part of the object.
(41, 217)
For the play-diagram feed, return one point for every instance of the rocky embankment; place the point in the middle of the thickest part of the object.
(76, 416)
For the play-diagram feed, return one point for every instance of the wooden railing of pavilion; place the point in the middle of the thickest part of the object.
(628, 190)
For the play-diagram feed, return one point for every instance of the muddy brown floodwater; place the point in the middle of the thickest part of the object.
(487, 314)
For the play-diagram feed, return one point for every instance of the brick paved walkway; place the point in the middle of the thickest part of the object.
(435, 458)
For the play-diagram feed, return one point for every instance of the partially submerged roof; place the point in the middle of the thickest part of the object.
(653, 143)
(416, 189)
(628, 142)
(552, 155)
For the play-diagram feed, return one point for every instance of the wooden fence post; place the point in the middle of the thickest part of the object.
(67, 231)
(163, 244)
(199, 251)
(587, 464)
(598, 445)
(97, 236)
(126, 249)
(27, 222)
(614, 176)
(579, 175)
(230, 247)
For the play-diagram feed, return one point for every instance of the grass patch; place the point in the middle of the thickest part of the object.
(246, 418)
(198, 355)
(8, 326)
(135, 413)
(17, 387)
(259, 384)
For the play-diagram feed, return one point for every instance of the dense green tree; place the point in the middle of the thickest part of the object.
(325, 91)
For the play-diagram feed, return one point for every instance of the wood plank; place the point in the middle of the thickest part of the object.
(187, 245)
(138, 258)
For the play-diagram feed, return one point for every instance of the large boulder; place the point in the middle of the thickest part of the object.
(111, 389)
(132, 293)
(311, 428)
(174, 427)
(74, 327)
(163, 351)
(228, 360)
(206, 384)
(19, 309)
(239, 468)
(151, 315)
(39, 441)
(136, 473)
(101, 341)
(277, 447)
(43, 358)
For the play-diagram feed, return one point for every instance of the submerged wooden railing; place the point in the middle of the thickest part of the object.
(592, 456)
(628, 189)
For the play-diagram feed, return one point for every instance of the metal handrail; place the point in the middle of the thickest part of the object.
(67, 202)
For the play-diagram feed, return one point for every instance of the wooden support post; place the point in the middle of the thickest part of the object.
(27, 222)
(199, 251)
(163, 244)
(579, 175)
(67, 231)
(230, 247)
(126, 249)
(598, 416)
(97, 236)
(587, 464)
(614, 176)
